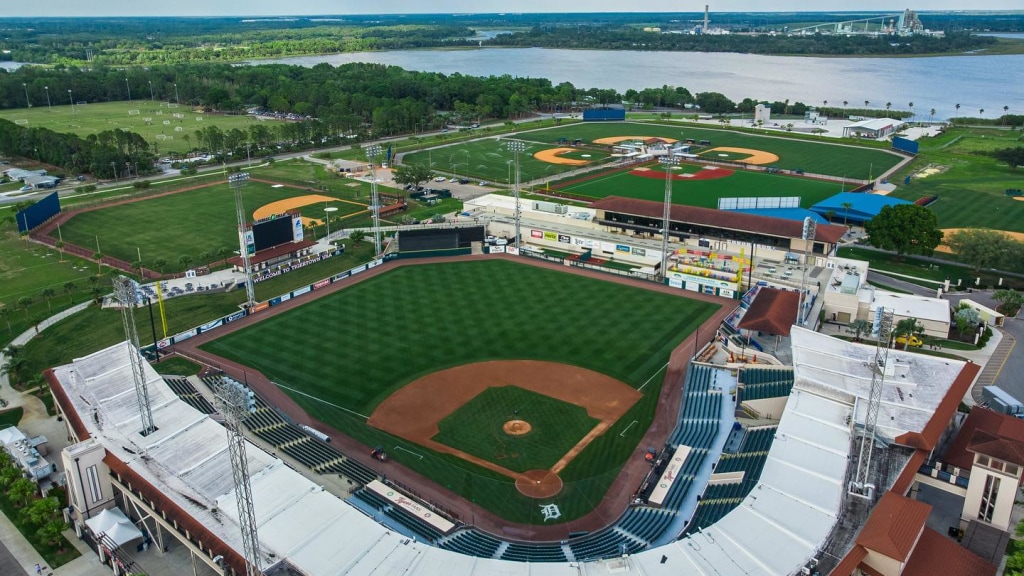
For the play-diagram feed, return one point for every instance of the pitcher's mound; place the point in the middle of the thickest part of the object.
(517, 427)
(539, 484)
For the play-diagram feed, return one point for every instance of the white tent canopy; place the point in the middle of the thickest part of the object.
(115, 526)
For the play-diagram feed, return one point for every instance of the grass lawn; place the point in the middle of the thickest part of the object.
(26, 270)
(815, 157)
(183, 224)
(971, 187)
(149, 122)
(476, 428)
(910, 266)
(11, 417)
(356, 347)
(177, 366)
(53, 556)
(704, 193)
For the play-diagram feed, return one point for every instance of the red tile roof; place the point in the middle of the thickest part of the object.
(894, 526)
(772, 311)
(936, 554)
(850, 562)
(275, 252)
(725, 219)
(990, 421)
(928, 438)
(1004, 449)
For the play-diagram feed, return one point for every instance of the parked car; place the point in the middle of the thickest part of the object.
(484, 182)
(463, 181)
(439, 179)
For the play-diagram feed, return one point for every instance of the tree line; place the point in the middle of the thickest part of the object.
(105, 154)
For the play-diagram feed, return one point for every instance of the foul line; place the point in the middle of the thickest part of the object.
(403, 449)
(641, 388)
(321, 400)
(623, 433)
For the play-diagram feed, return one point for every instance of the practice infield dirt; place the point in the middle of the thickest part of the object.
(282, 206)
(414, 411)
(617, 139)
(947, 232)
(551, 156)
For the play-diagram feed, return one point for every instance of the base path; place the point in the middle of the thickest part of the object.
(615, 501)
(414, 411)
(617, 139)
(758, 157)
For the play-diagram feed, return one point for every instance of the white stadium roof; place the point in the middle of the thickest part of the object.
(775, 530)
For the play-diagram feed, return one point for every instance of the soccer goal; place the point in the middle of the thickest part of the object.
(133, 112)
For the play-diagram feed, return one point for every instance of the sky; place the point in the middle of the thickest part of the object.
(335, 7)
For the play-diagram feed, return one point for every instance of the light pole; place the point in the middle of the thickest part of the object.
(372, 152)
(330, 211)
(72, 100)
(237, 181)
(667, 163)
(27, 101)
(113, 167)
(49, 107)
(176, 100)
(151, 96)
(517, 146)
(129, 88)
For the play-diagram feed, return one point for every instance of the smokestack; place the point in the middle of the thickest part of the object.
(706, 10)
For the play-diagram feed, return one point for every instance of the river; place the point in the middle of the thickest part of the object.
(939, 82)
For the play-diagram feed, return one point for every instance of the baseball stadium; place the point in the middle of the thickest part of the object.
(456, 406)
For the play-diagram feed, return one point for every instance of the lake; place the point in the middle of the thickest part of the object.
(940, 82)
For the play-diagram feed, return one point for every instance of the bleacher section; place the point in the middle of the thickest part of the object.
(398, 516)
(472, 543)
(698, 425)
(718, 500)
(604, 544)
(758, 383)
(187, 392)
(320, 457)
(521, 552)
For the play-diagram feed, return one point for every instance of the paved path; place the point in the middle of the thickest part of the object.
(990, 373)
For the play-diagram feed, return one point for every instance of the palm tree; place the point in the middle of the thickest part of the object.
(24, 303)
(160, 264)
(205, 256)
(957, 111)
(906, 328)
(47, 294)
(98, 257)
(866, 102)
(911, 111)
(830, 214)
(888, 106)
(357, 236)
(931, 115)
(981, 112)
(69, 289)
(185, 261)
(846, 213)
(858, 327)
(845, 102)
(13, 367)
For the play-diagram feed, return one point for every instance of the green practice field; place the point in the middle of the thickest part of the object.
(342, 355)
(705, 193)
(186, 223)
(813, 157)
(489, 159)
(556, 427)
(149, 122)
(971, 187)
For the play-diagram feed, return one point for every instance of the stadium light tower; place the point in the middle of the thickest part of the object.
(860, 485)
(372, 153)
(517, 146)
(237, 182)
(668, 162)
(809, 231)
(125, 292)
(72, 100)
(27, 101)
(129, 88)
(49, 107)
(235, 402)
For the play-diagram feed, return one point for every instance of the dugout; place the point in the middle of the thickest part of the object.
(431, 241)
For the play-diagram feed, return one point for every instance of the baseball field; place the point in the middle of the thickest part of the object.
(696, 185)
(168, 126)
(507, 383)
(192, 223)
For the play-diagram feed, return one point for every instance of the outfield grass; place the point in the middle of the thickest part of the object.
(96, 118)
(177, 366)
(11, 417)
(818, 157)
(186, 223)
(972, 189)
(489, 159)
(355, 348)
(556, 427)
(705, 193)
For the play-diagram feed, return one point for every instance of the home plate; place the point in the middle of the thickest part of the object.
(723, 155)
(584, 155)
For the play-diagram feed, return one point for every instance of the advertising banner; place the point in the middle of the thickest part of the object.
(358, 269)
(496, 249)
(564, 239)
(707, 281)
(274, 301)
(726, 293)
(551, 236)
(675, 282)
(607, 248)
(512, 250)
(692, 286)
(300, 291)
(321, 284)
(297, 233)
(622, 248)
(285, 297)
(250, 241)
(259, 307)
(211, 325)
(341, 276)
(536, 234)
(163, 343)
(184, 335)
(639, 252)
